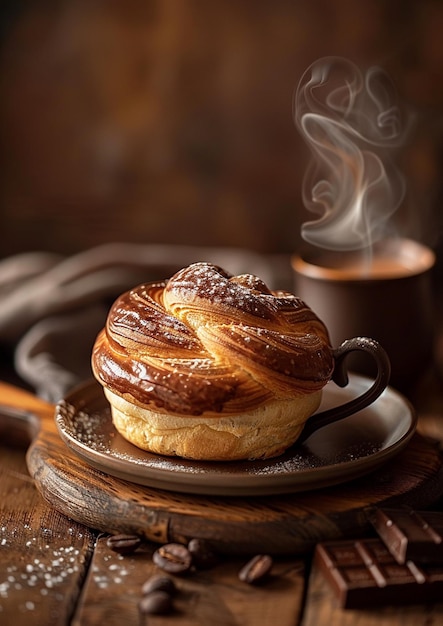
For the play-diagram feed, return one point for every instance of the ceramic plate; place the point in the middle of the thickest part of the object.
(337, 453)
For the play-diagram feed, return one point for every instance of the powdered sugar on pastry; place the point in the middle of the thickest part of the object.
(205, 343)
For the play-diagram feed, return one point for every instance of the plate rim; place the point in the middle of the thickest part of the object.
(243, 483)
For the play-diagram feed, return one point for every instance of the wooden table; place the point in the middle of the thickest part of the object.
(54, 570)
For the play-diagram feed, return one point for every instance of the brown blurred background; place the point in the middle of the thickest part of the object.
(170, 121)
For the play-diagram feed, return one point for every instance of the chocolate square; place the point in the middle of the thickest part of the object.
(364, 573)
(410, 535)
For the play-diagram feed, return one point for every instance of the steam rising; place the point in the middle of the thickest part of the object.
(352, 123)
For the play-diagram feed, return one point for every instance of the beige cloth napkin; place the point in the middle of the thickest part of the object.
(52, 307)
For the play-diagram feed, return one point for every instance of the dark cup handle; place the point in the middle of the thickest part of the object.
(340, 377)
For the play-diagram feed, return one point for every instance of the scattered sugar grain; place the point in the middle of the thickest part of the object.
(37, 572)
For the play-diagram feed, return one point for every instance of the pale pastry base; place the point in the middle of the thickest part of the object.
(262, 433)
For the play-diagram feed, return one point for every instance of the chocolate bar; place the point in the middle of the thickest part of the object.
(410, 535)
(364, 573)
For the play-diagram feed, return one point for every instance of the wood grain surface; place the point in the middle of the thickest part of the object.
(278, 524)
(206, 597)
(56, 572)
(44, 556)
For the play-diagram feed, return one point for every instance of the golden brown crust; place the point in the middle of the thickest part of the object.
(208, 342)
(212, 366)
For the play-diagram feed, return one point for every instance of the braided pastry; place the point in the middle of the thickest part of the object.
(212, 366)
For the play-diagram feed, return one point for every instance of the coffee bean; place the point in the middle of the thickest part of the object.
(159, 583)
(256, 570)
(156, 603)
(203, 556)
(123, 544)
(174, 558)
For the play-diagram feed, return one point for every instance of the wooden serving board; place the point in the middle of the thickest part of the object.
(285, 524)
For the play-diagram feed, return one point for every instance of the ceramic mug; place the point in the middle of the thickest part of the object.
(387, 297)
